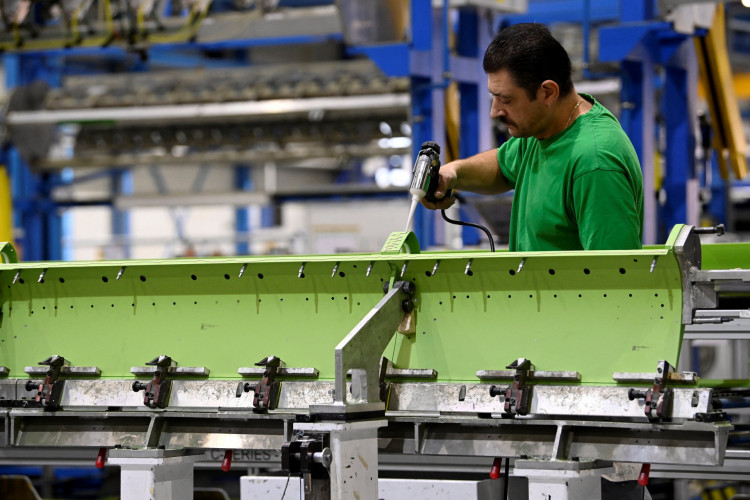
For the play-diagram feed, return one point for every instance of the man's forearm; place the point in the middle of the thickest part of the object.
(480, 174)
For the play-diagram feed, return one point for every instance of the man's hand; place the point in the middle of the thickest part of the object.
(447, 179)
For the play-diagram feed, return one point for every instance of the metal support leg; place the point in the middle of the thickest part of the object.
(563, 480)
(155, 474)
(354, 445)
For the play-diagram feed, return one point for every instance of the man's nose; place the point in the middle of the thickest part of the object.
(497, 111)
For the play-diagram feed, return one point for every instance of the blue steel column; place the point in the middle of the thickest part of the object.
(35, 213)
(422, 101)
(242, 182)
(122, 183)
(638, 112)
(637, 119)
(475, 123)
(679, 98)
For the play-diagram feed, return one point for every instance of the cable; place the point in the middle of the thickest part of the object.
(507, 476)
(286, 486)
(470, 224)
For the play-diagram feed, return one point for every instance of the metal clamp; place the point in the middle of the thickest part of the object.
(156, 393)
(310, 457)
(267, 390)
(658, 400)
(49, 391)
(518, 394)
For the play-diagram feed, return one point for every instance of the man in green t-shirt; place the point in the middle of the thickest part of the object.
(577, 180)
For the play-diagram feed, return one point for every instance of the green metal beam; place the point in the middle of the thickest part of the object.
(591, 312)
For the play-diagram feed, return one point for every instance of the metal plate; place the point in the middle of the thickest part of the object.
(591, 312)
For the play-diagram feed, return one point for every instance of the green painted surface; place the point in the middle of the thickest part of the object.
(726, 256)
(593, 312)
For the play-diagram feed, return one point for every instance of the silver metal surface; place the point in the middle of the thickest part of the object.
(99, 394)
(687, 249)
(737, 329)
(397, 373)
(412, 398)
(75, 429)
(187, 112)
(687, 443)
(673, 378)
(361, 349)
(533, 375)
(147, 371)
(4, 371)
(571, 401)
(70, 371)
(257, 371)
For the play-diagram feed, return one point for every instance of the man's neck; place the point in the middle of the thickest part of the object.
(565, 111)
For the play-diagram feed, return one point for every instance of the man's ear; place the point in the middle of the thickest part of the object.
(549, 91)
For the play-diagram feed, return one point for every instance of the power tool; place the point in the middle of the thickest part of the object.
(425, 177)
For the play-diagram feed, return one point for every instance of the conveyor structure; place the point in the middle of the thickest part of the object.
(264, 113)
(562, 362)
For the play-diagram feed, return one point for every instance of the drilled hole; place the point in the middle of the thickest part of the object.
(193, 277)
(511, 272)
(622, 270)
(105, 279)
(552, 272)
(586, 271)
(61, 280)
(260, 276)
(342, 274)
(142, 278)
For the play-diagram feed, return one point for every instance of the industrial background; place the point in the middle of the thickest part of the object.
(140, 131)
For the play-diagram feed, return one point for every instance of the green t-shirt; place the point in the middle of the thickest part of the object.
(581, 189)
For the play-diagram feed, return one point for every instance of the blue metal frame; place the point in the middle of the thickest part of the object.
(640, 47)
(35, 213)
(242, 181)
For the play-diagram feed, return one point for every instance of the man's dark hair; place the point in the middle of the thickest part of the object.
(531, 54)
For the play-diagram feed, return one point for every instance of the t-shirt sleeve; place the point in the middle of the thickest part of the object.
(508, 157)
(606, 210)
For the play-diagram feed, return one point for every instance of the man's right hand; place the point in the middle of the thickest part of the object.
(446, 181)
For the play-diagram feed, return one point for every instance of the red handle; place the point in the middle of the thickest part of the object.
(495, 469)
(101, 458)
(643, 476)
(226, 464)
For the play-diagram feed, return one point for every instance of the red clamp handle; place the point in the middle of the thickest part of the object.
(643, 476)
(495, 469)
(226, 464)
(101, 458)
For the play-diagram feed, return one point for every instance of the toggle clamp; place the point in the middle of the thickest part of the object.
(156, 393)
(49, 391)
(266, 392)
